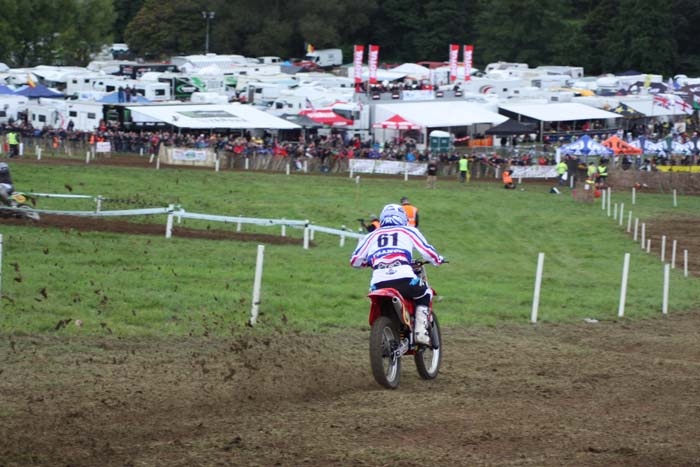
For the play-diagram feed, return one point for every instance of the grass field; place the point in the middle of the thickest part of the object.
(145, 285)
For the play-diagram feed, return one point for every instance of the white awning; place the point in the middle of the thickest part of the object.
(563, 112)
(206, 116)
(440, 114)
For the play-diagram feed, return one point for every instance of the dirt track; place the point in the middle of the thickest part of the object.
(584, 394)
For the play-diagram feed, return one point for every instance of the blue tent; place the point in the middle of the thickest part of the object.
(38, 91)
(586, 146)
(113, 98)
(5, 90)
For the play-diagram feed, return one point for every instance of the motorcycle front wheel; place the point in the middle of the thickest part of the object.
(429, 357)
(384, 339)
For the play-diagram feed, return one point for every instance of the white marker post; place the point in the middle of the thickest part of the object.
(629, 222)
(667, 278)
(247, 163)
(538, 285)
(663, 248)
(158, 163)
(615, 212)
(649, 245)
(169, 222)
(217, 164)
(602, 200)
(634, 196)
(644, 228)
(622, 210)
(87, 157)
(287, 169)
(636, 228)
(675, 198)
(306, 236)
(405, 174)
(38, 153)
(257, 283)
(571, 182)
(342, 237)
(673, 253)
(685, 263)
(609, 200)
(623, 286)
(238, 225)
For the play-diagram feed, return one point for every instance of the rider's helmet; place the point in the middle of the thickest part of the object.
(4, 168)
(393, 215)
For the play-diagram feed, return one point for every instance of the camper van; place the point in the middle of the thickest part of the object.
(325, 58)
(182, 86)
(153, 91)
(11, 106)
(58, 114)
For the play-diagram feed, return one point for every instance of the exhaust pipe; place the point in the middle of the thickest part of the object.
(397, 305)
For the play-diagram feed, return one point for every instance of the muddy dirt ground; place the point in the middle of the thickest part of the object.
(584, 394)
(604, 394)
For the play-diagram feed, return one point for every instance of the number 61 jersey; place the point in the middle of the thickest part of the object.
(389, 251)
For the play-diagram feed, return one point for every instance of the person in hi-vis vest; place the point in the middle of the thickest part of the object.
(411, 212)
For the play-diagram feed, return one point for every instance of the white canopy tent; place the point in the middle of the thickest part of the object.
(207, 116)
(441, 114)
(559, 112)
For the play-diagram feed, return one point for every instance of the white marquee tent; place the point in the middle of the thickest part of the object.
(207, 116)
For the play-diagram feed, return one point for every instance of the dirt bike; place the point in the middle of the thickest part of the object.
(391, 318)
(19, 209)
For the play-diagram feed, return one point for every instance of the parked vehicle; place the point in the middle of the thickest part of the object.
(325, 58)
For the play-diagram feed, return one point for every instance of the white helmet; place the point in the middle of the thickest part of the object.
(394, 215)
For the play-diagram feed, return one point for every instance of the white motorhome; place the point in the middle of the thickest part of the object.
(151, 90)
(85, 116)
(11, 106)
(325, 58)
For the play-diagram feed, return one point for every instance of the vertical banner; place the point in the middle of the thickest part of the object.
(454, 55)
(468, 54)
(373, 61)
(358, 57)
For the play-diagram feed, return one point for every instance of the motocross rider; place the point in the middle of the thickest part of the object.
(388, 251)
(6, 186)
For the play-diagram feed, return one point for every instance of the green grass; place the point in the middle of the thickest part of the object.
(141, 285)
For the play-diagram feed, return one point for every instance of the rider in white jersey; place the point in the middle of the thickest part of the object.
(389, 252)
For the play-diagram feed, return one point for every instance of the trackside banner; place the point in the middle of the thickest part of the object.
(534, 171)
(373, 61)
(369, 166)
(468, 57)
(454, 56)
(358, 58)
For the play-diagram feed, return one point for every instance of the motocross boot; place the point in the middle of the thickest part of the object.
(420, 326)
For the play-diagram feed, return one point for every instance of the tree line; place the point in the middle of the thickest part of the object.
(654, 36)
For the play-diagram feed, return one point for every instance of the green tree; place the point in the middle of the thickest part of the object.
(124, 12)
(89, 29)
(531, 31)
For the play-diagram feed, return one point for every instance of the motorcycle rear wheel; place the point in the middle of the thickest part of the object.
(383, 340)
(429, 357)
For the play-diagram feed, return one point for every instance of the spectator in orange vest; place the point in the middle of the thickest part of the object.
(411, 212)
(508, 180)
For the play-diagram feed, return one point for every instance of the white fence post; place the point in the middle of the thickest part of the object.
(634, 196)
(615, 212)
(623, 286)
(602, 200)
(663, 248)
(675, 198)
(667, 278)
(98, 203)
(247, 164)
(87, 157)
(287, 168)
(284, 230)
(636, 228)
(649, 245)
(257, 283)
(629, 222)
(609, 200)
(673, 253)
(216, 164)
(306, 235)
(538, 285)
(158, 163)
(685, 263)
(306, 166)
(622, 210)
(169, 225)
(342, 238)
(238, 226)
(38, 153)
(644, 228)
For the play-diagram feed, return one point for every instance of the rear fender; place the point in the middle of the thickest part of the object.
(382, 299)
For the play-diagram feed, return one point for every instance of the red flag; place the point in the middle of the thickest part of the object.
(373, 61)
(468, 57)
(358, 58)
(454, 55)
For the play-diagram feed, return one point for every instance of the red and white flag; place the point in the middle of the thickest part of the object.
(454, 56)
(468, 57)
(373, 61)
(359, 56)
(681, 104)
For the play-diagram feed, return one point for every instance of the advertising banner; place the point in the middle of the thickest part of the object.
(468, 57)
(189, 155)
(372, 166)
(103, 146)
(358, 58)
(373, 60)
(534, 171)
(454, 56)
